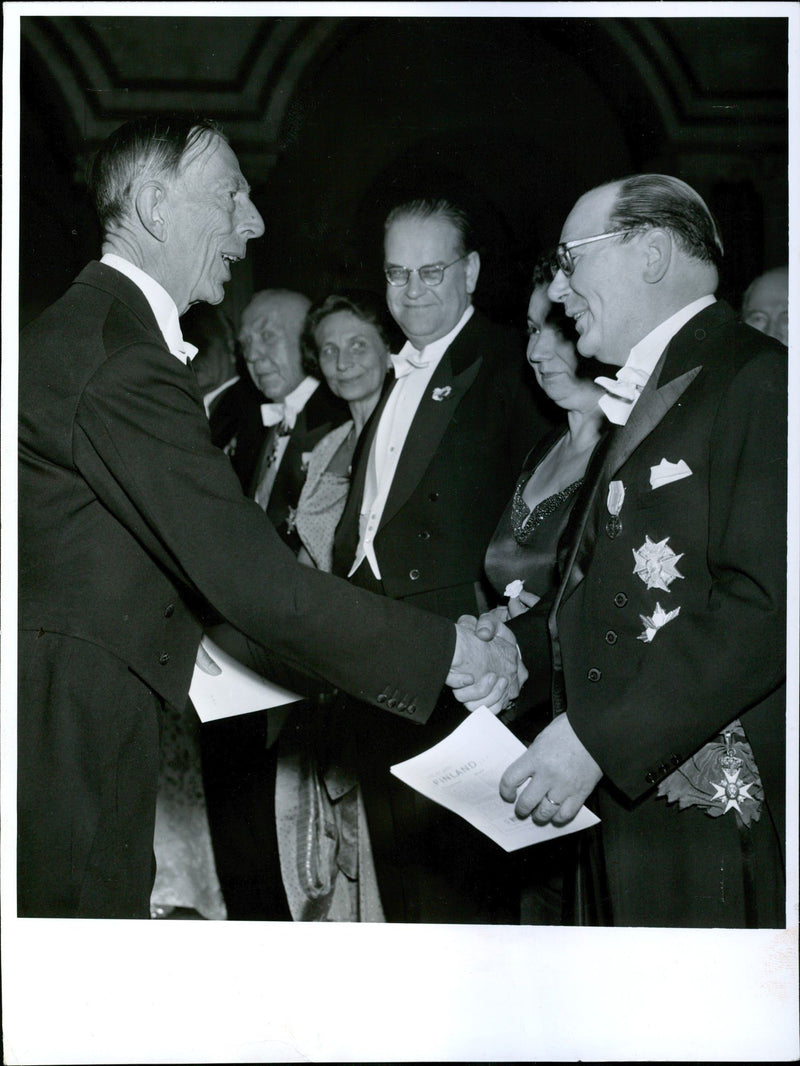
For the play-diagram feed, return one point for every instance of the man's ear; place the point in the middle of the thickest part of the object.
(658, 254)
(151, 209)
(473, 269)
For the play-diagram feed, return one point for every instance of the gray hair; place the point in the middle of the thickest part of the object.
(669, 203)
(154, 145)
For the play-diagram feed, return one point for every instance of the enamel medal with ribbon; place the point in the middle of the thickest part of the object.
(616, 497)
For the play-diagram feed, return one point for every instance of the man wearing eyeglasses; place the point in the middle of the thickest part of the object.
(667, 632)
(432, 474)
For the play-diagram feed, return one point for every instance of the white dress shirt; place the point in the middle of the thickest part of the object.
(413, 371)
(624, 390)
(161, 304)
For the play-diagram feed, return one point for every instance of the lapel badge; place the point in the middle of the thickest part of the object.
(616, 497)
(442, 393)
(653, 623)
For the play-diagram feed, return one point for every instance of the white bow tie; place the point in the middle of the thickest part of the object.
(404, 362)
(283, 414)
(622, 392)
(627, 384)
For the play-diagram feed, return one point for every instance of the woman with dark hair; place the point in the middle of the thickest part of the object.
(521, 558)
(346, 340)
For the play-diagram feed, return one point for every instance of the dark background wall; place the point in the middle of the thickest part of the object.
(334, 119)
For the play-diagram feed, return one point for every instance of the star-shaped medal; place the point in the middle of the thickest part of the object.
(732, 790)
(656, 564)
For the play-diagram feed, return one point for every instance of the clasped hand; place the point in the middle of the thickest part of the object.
(487, 669)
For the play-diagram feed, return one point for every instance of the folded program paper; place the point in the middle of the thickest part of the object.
(235, 690)
(463, 771)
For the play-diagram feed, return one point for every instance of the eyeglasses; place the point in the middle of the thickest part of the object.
(432, 274)
(563, 254)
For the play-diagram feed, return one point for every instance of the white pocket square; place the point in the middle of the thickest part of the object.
(666, 472)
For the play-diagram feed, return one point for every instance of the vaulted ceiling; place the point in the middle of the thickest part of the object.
(333, 118)
(708, 81)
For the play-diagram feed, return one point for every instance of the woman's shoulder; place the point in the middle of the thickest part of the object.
(324, 450)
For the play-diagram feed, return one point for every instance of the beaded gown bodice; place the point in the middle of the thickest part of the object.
(525, 542)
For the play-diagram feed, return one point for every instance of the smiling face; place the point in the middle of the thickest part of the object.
(605, 292)
(270, 340)
(424, 312)
(352, 356)
(210, 221)
(552, 356)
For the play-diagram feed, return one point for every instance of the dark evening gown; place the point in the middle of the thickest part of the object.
(524, 548)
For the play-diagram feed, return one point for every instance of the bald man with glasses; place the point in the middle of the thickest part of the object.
(664, 649)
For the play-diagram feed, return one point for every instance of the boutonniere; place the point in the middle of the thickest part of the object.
(513, 588)
(659, 619)
(616, 498)
(656, 564)
(667, 472)
(442, 393)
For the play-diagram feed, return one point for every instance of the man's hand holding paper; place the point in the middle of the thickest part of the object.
(562, 775)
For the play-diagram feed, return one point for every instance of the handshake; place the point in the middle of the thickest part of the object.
(487, 668)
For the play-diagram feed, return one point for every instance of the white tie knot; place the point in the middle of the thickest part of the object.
(406, 361)
(283, 414)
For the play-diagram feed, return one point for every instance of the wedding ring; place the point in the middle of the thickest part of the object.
(546, 799)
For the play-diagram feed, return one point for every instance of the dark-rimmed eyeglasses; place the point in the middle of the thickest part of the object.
(432, 274)
(563, 253)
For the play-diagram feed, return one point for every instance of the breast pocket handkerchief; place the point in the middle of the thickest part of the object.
(666, 472)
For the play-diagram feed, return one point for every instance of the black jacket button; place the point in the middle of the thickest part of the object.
(594, 674)
(163, 658)
(381, 698)
(424, 535)
(611, 637)
(169, 610)
(620, 599)
(433, 496)
(413, 574)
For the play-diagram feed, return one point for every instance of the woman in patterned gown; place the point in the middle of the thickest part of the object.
(323, 843)
(521, 558)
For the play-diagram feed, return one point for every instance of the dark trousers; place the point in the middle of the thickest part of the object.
(657, 866)
(239, 780)
(87, 763)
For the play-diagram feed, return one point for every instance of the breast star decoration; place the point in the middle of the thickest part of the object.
(659, 618)
(656, 564)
